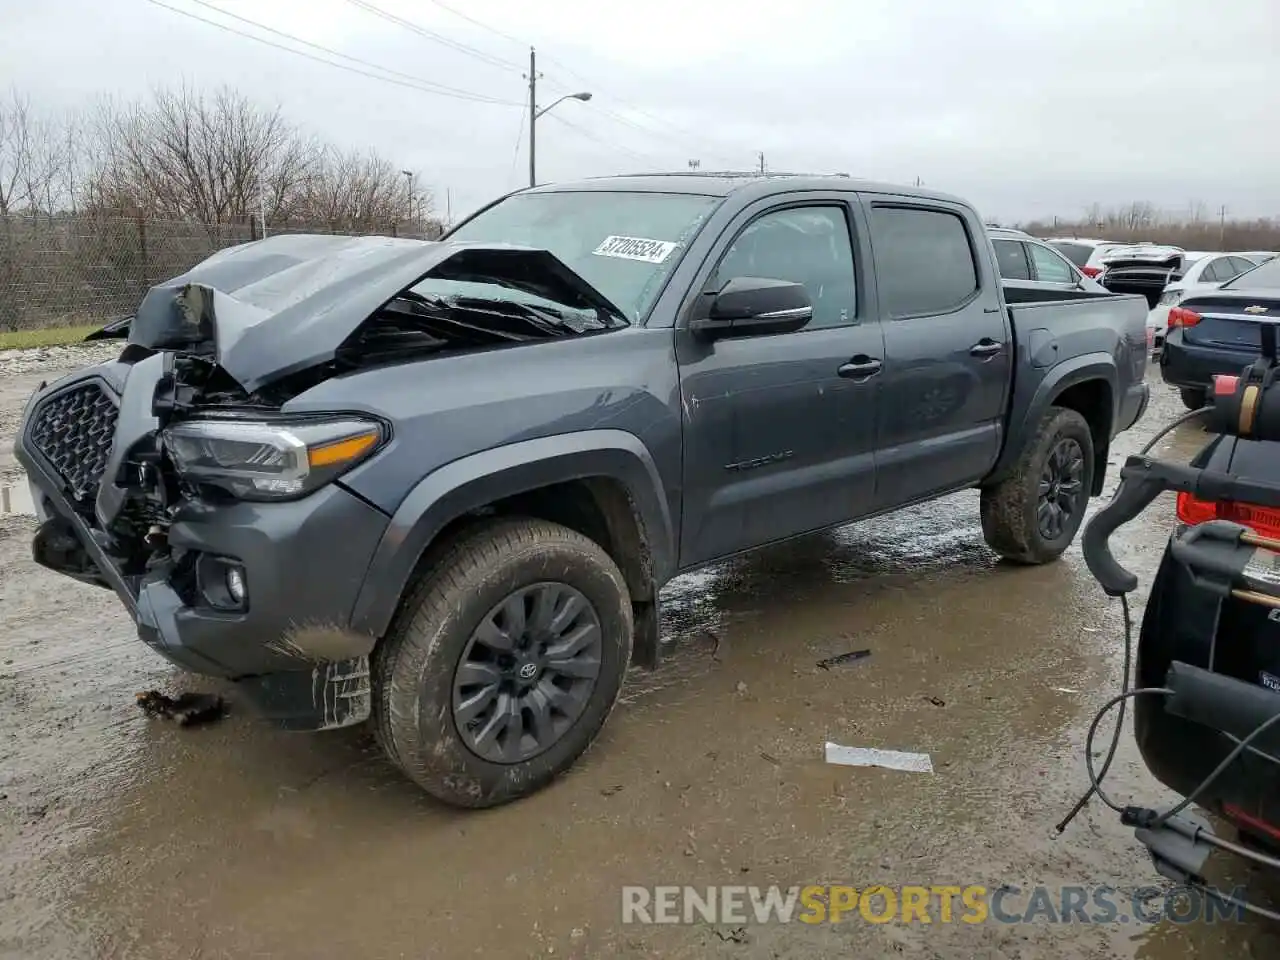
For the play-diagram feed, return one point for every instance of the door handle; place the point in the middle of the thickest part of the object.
(860, 367)
(986, 347)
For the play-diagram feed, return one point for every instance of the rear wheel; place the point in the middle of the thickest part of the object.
(1192, 398)
(503, 662)
(1033, 515)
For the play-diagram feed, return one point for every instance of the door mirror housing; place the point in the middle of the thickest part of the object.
(755, 306)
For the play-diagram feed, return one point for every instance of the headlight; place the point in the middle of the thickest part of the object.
(1170, 298)
(257, 460)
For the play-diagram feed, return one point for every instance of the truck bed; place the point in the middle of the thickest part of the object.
(1062, 333)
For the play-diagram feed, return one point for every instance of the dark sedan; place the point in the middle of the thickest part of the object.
(1218, 331)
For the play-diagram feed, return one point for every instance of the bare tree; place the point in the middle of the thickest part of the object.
(355, 191)
(212, 159)
(28, 157)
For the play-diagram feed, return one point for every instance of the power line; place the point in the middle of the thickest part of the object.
(454, 91)
(687, 135)
(437, 37)
(472, 20)
(587, 134)
(515, 153)
(642, 129)
(422, 86)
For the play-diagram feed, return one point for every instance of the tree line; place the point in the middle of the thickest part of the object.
(215, 158)
(1197, 227)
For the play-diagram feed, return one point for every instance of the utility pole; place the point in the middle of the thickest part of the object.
(1222, 226)
(761, 155)
(535, 113)
(533, 117)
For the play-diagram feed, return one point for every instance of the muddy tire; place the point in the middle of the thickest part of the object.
(1033, 515)
(1192, 398)
(503, 662)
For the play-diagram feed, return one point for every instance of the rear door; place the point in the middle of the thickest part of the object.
(1052, 270)
(1012, 262)
(948, 355)
(780, 429)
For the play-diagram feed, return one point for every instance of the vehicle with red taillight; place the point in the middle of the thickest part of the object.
(1201, 272)
(1218, 331)
(1086, 254)
(1030, 265)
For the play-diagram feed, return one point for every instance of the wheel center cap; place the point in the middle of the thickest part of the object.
(528, 671)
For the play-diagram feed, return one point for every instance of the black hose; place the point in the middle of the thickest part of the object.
(1115, 734)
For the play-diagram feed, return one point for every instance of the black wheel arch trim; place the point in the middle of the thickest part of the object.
(1060, 378)
(472, 482)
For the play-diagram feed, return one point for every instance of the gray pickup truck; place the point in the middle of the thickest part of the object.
(439, 485)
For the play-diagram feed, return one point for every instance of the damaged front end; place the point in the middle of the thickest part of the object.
(175, 476)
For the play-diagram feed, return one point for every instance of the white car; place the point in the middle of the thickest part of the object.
(1085, 254)
(1200, 271)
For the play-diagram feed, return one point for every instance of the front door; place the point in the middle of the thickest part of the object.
(780, 429)
(948, 350)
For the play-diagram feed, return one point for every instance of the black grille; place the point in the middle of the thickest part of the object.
(73, 431)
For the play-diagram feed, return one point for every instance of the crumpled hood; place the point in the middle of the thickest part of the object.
(266, 309)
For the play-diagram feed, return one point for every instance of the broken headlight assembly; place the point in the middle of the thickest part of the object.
(265, 460)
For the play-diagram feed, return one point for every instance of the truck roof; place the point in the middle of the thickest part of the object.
(727, 183)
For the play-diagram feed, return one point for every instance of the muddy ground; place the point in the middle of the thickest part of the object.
(123, 837)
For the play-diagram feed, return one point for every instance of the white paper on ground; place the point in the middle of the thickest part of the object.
(869, 757)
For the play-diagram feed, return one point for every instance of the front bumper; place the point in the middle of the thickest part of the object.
(1192, 365)
(303, 561)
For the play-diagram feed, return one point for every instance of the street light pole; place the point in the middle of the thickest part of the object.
(533, 118)
(535, 113)
(409, 176)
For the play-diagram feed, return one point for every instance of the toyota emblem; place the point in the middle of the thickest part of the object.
(527, 671)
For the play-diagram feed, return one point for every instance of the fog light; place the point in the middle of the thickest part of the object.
(235, 584)
(222, 582)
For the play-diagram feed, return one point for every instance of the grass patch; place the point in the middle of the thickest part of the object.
(53, 337)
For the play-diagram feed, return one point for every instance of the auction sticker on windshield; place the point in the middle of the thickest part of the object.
(635, 248)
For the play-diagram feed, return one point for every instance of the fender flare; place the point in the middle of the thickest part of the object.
(475, 481)
(1062, 377)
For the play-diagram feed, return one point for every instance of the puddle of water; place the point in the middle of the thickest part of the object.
(16, 500)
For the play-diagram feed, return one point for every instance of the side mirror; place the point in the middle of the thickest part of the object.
(755, 306)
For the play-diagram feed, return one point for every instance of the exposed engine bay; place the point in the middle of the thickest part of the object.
(213, 356)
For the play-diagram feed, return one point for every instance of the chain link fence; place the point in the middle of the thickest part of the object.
(72, 271)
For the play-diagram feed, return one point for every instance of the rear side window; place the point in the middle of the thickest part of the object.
(1011, 260)
(1213, 272)
(1050, 268)
(924, 261)
(1077, 253)
(1266, 277)
(1239, 265)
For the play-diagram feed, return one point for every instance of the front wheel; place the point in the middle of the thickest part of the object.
(503, 662)
(1192, 398)
(1033, 515)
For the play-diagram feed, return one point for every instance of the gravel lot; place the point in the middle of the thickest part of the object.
(123, 837)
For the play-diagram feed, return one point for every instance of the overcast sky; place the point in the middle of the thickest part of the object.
(1027, 108)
